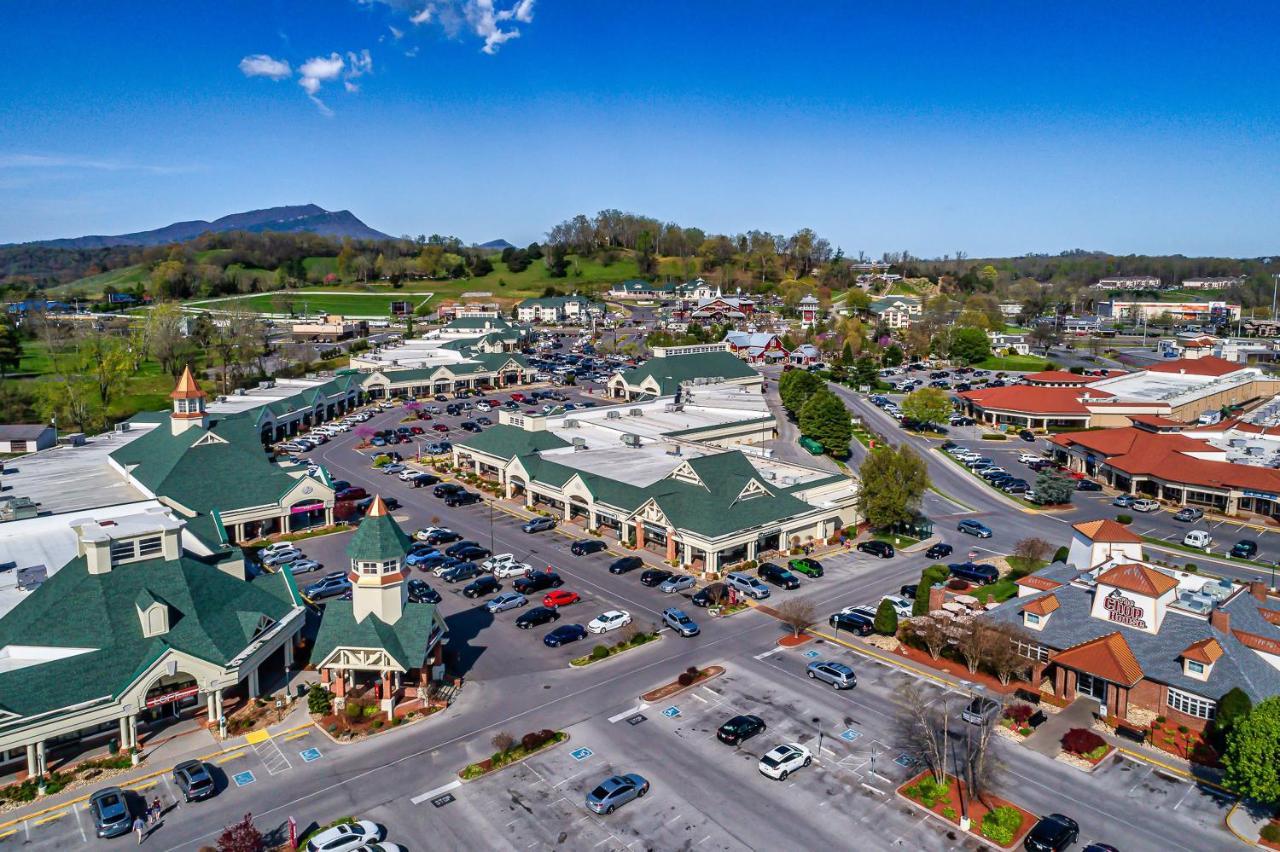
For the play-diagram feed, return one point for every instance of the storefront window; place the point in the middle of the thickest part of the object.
(1191, 704)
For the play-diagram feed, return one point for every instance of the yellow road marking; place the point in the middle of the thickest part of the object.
(50, 818)
(254, 737)
(9, 833)
(295, 736)
(144, 787)
(235, 755)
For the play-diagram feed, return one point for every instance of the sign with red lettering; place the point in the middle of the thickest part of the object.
(157, 700)
(1124, 611)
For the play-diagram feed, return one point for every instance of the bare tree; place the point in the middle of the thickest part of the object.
(798, 614)
(931, 632)
(1032, 549)
(502, 741)
(926, 726)
(976, 642)
(1005, 660)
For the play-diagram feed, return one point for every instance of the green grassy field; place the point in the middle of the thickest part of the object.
(300, 301)
(1022, 363)
(91, 287)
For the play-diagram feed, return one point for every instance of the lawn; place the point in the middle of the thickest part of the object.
(122, 279)
(1021, 363)
(1000, 590)
(300, 301)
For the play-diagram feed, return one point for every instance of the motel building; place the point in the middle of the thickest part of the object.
(1136, 640)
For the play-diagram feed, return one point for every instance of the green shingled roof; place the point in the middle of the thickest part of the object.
(407, 641)
(378, 539)
(672, 370)
(507, 442)
(212, 616)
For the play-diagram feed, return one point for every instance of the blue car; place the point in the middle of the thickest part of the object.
(423, 557)
(564, 634)
(379, 442)
(972, 527)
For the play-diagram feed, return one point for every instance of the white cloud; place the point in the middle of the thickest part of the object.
(485, 21)
(262, 65)
(317, 71)
(424, 16)
(397, 34)
(359, 64)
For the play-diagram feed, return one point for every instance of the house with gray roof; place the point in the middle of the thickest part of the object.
(558, 309)
(26, 437)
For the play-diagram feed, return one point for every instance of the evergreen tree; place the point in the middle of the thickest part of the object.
(825, 419)
(893, 482)
(929, 577)
(795, 388)
(886, 621)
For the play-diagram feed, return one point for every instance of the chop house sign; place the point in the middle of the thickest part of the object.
(1123, 611)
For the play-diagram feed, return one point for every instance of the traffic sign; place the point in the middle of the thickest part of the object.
(671, 712)
(581, 753)
(243, 778)
(309, 754)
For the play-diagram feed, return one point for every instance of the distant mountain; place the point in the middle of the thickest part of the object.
(496, 245)
(305, 217)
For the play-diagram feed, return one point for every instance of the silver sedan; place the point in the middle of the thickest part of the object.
(506, 601)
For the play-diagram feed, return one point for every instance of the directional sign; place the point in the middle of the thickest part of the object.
(441, 801)
(581, 753)
(812, 654)
(905, 760)
(671, 712)
(309, 754)
(636, 719)
(849, 735)
(243, 778)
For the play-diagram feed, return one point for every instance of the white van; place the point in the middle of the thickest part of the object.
(1197, 538)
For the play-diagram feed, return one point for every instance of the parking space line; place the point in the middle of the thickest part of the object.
(235, 755)
(431, 794)
(570, 778)
(297, 735)
(50, 818)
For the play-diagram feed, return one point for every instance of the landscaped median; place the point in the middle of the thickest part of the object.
(508, 750)
(604, 652)
(690, 677)
(992, 818)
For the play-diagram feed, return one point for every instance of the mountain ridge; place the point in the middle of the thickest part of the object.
(309, 218)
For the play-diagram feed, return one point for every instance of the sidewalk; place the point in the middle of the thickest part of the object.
(1247, 819)
(198, 745)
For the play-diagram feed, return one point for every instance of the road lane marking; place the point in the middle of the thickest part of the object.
(431, 794)
(618, 717)
(235, 755)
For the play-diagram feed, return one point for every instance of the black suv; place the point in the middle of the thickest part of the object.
(854, 622)
(536, 616)
(710, 594)
(625, 564)
(420, 592)
(1052, 834)
(883, 549)
(424, 479)
(461, 498)
(193, 779)
(471, 552)
(537, 581)
(446, 488)
(779, 576)
(582, 548)
(656, 576)
(458, 573)
(739, 729)
(938, 551)
(483, 585)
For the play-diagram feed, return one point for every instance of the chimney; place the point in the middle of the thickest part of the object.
(1258, 589)
(937, 597)
(1220, 620)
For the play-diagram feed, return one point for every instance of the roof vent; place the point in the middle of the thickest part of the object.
(631, 440)
(570, 423)
(636, 412)
(124, 427)
(614, 415)
(579, 444)
(674, 451)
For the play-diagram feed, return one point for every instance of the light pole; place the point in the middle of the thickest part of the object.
(817, 721)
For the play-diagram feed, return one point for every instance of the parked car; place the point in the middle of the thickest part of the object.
(901, 605)
(615, 791)
(584, 548)
(282, 557)
(304, 566)
(485, 584)
(938, 551)
(860, 623)
(193, 780)
(909, 590)
(1145, 505)
(564, 634)
(446, 488)
(534, 525)
(420, 592)
(536, 616)
(468, 571)
(611, 620)
(1052, 833)
(471, 552)
(1244, 549)
(982, 575)
(779, 576)
(655, 577)
(396, 467)
(422, 480)
(537, 581)
(508, 570)
(506, 601)
(560, 597)
(1027, 435)
(780, 761)
(981, 710)
(1197, 538)
(110, 810)
(679, 622)
(972, 527)
(1189, 514)
(1124, 501)
(739, 729)
(747, 585)
(1087, 485)
(625, 564)
(328, 586)
(882, 549)
(837, 674)
(709, 594)
(811, 568)
(346, 837)
(461, 498)
(441, 536)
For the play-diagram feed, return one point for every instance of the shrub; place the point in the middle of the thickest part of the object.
(693, 672)
(949, 812)
(1182, 729)
(353, 710)
(1124, 519)
(927, 791)
(1019, 714)
(376, 724)
(599, 652)
(1160, 720)
(1192, 567)
(1081, 741)
(955, 584)
(319, 701)
(371, 710)
(999, 824)
(1060, 555)
(685, 679)
(502, 741)
(994, 436)
(1271, 833)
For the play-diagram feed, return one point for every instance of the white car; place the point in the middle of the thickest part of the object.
(1028, 458)
(611, 620)
(346, 837)
(497, 560)
(512, 569)
(275, 547)
(407, 474)
(902, 606)
(483, 406)
(781, 761)
(1145, 505)
(1197, 538)
(425, 533)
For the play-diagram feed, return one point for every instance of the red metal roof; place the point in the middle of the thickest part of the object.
(1058, 377)
(1033, 399)
(1210, 365)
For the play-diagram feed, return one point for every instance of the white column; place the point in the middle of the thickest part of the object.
(42, 765)
(211, 707)
(253, 684)
(217, 704)
(32, 768)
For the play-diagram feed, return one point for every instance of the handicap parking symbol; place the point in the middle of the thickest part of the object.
(671, 712)
(849, 735)
(243, 778)
(309, 754)
(812, 654)
(906, 761)
(581, 753)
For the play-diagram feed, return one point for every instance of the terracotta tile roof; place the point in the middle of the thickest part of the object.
(1032, 399)
(1108, 657)
(1257, 642)
(1205, 651)
(1042, 606)
(1139, 579)
(1058, 377)
(1156, 420)
(1106, 530)
(1199, 343)
(1271, 615)
(1043, 584)
(1210, 365)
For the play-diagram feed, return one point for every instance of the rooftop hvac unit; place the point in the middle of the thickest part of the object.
(770, 475)
(222, 397)
(267, 384)
(631, 440)
(579, 444)
(1216, 589)
(124, 427)
(75, 439)
(1195, 602)
(240, 391)
(1236, 442)
(1257, 451)
(636, 412)
(789, 480)
(570, 423)
(674, 451)
(614, 415)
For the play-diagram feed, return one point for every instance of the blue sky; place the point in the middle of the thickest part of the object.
(932, 127)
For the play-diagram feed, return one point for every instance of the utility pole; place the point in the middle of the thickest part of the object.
(1275, 284)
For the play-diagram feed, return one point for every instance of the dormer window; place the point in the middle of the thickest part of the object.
(135, 549)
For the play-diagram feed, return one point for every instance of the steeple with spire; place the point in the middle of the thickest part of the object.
(378, 576)
(188, 404)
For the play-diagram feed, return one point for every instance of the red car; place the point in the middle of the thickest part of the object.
(417, 430)
(440, 427)
(560, 597)
(423, 415)
(517, 397)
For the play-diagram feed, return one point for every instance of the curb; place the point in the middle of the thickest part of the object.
(567, 737)
(1232, 829)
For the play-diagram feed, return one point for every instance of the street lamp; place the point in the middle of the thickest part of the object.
(817, 721)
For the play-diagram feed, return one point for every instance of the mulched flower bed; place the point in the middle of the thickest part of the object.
(946, 805)
(961, 671)
(675, 686)
(1187, 744)
(532, 743)
(793, 641)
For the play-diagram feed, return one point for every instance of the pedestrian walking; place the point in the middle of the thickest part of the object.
(139, 828)
(156, 810)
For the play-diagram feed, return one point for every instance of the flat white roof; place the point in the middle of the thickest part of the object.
(1171, 388)
(258, 396)
(417, 352)
(71, 479)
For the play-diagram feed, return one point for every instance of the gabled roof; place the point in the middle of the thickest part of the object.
(378, 538)
(671, 370)
(1139, 579)
(1035, 581)
(506, 441)
(1034, 399)
(407, 641)
(1108, 657)
(1058, 377)
(1042, 605)
(1205, 651)
(1107, 531)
